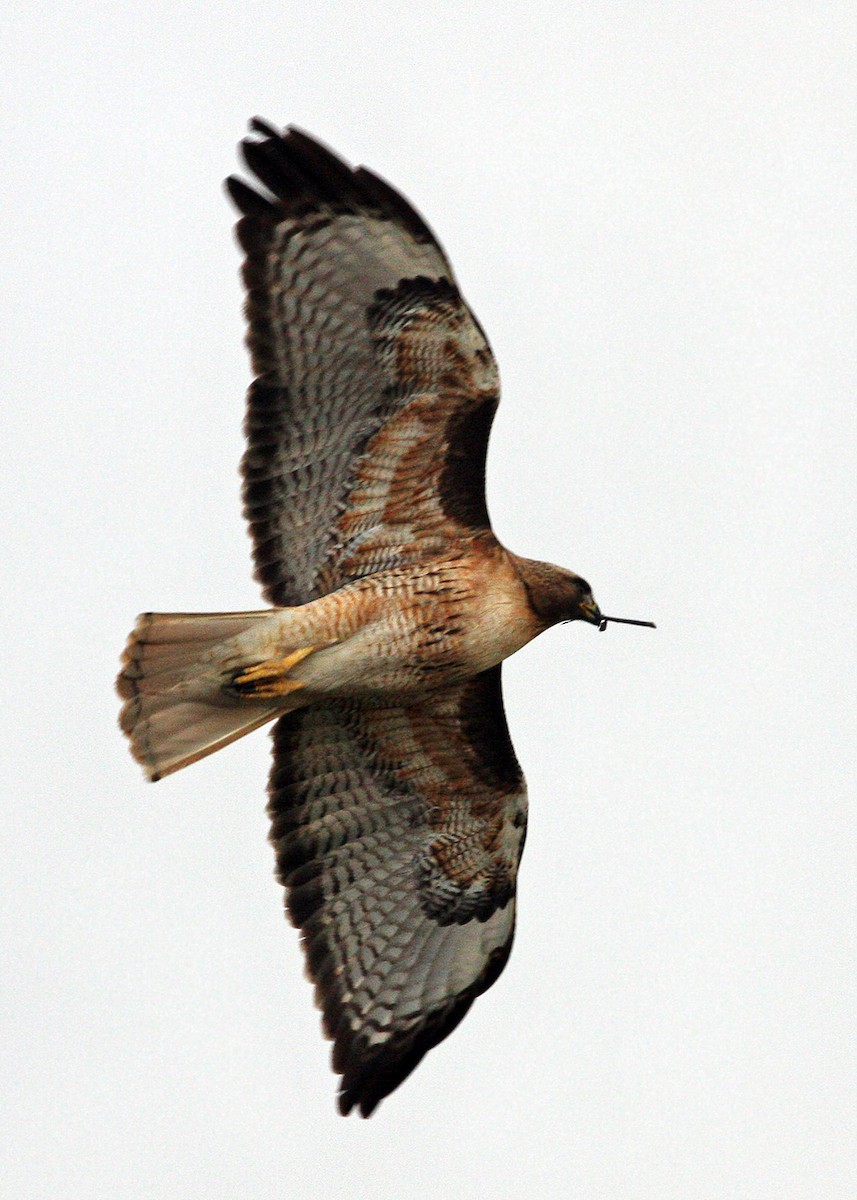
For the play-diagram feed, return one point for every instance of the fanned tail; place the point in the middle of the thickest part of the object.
(176, 681)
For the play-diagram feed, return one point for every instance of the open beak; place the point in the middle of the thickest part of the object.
(591, 612)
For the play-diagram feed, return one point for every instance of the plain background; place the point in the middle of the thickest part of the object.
(651, 208)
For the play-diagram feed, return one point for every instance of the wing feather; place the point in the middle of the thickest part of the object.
(398, 834)
(375, 388)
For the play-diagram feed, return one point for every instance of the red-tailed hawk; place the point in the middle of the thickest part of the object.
(398, 807)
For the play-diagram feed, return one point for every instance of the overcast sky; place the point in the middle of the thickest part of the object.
(651, 208)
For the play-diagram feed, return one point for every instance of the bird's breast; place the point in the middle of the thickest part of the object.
(412, 631)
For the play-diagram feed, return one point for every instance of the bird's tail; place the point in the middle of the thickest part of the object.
(178, 682)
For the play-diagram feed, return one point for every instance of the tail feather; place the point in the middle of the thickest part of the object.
(175, 677)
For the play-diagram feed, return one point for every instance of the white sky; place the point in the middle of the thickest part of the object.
(651, 207)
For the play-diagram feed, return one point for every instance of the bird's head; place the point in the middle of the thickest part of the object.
(556, 595)
(574, 599)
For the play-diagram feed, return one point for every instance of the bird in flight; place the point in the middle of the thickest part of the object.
(398, 808)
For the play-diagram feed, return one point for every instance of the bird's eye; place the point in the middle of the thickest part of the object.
(584, 586)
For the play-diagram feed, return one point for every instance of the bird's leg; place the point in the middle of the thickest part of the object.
(269, 679)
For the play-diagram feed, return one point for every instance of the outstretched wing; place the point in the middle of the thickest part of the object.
(368, 420)
(398, 834)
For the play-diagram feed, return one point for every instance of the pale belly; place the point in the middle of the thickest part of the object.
(402, 636)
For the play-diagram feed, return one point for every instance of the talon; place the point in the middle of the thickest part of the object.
(269, 679)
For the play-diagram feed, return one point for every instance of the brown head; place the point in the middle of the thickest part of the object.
(556, 594)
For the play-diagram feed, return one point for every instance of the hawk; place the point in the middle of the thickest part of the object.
(398, 808)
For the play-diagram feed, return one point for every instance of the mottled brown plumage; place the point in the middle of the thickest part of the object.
(398, 807)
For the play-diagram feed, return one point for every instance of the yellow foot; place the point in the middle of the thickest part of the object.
(269, 679)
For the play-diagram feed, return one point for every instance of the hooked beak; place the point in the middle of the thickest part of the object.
(591, 612)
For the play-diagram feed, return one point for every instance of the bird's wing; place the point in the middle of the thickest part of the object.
(375, 388)
(398, 834)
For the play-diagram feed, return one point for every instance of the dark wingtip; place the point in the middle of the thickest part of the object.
(368, 1078)
(246, 199)
(260, 125)
(297, 168)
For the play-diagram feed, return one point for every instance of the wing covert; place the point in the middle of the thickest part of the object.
(398, 833)
(375, 388)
